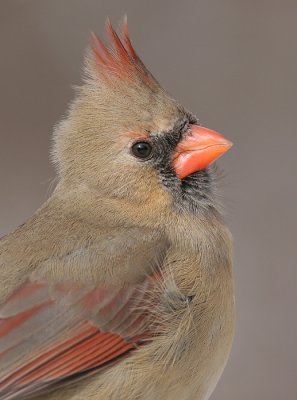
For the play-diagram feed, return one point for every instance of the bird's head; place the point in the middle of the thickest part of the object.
(126, 138)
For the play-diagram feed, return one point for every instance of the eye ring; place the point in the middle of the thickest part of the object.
(142, 150)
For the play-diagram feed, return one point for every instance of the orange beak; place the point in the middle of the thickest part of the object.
(199, 149)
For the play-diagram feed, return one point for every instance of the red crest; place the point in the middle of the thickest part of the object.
(119, 59)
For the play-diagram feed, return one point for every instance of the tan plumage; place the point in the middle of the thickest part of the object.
(112, 223)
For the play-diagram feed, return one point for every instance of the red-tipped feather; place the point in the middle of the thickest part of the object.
(119, 59)
(127, 41)
(117, 44)
(102, 55)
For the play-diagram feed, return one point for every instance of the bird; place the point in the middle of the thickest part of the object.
(120, 285)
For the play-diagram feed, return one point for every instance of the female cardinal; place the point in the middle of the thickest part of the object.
(120, 286)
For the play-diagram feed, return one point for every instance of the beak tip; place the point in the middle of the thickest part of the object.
(199, 150)
(229, 144)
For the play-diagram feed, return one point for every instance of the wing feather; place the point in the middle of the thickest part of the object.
(53, 332)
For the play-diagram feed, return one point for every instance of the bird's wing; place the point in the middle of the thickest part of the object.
(55, 332)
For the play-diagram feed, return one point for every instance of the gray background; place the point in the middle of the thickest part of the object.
(234, 63)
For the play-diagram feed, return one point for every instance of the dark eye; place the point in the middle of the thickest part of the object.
(142, 150)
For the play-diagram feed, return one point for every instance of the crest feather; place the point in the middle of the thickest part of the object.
(119, 58)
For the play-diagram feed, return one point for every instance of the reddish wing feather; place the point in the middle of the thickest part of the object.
(63, 331)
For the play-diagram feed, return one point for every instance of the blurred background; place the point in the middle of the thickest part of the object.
(234, 64)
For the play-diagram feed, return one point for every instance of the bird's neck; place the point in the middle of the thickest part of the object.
(204, 236)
